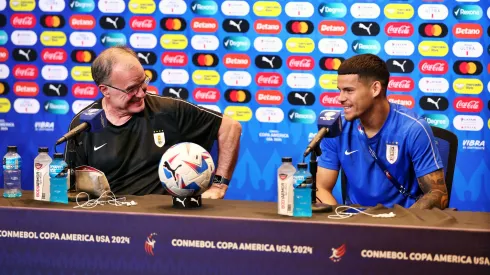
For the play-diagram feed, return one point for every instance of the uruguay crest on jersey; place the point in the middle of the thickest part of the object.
(391, 153)
(159, 137)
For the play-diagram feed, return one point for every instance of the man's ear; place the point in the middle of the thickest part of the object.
(103, 89)
(376, 89)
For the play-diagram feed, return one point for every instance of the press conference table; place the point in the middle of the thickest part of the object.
(235, 237)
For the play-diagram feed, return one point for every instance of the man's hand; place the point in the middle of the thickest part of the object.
(435, 191)
(215, 192)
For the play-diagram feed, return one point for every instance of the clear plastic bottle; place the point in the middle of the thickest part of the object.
(58, 173)
(302, 191)
(285, 174)
(12, 164)
(41, 174)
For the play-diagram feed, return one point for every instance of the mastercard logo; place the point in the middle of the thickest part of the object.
(299, 27)
(433, 30)
(53, 21)
(83, 56)
(151, 74)
(237, 96)
(463, 67)
(205, 60)
(173, 24)
(4, 88)
(330, 63)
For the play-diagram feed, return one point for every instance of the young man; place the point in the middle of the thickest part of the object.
(141, 127)
(401, 140)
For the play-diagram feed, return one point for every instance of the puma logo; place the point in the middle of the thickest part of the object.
(402, 65)
(56, 89)
(167, 166)
(436, 103)
(181, 201)
(195, 200)
(270, 61)
(174, 92)
(112, 21)
(303, 98)
(25, 54)
(367, 28)
(236, 25)
(144, 57)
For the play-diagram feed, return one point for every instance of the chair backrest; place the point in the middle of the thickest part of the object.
(447, 143)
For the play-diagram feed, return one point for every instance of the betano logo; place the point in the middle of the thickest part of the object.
(236, 43)
(269, 97)
(81, 73)
(113, 39)
(300, 45)
(399, 11)
(238, 113)
(22, 5)
(404, 100)
(4, 55)
(433, 48)
(53, 39)
(204, 25)
(205, 77)
(204, 7)
(467, 31)
(468, 12)
(4, 105)
(305, 116)
(142, 6)
(236, 61)
(28, 89)
(267, 8)
(437, 120)
(328, 81)
(267, 26)
(82, 22)
(332, 10)
(332, 28)
(469, 86)
(82, 5)
(364, 46)
(173, 41)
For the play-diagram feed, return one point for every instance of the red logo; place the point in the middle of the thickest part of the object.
(204, 25)
(51, 55)
(142, 23)
(330, 100)
(433, 66)
(236, 61)
(152, 90)
(268, 79)
(270, 26)
(26, 21)
(468, 104)
(338, 253)
(82, 22)
(29, 89)
(405, 100)
(399, 29)
(4, 54)
(269, 97)
(401, 84)
(25, 72)
(206, 94)
(300, 63)
(464, 30)
(84, 90)
(332, 28)
(174, 59)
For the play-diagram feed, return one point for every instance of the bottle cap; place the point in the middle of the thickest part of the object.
(58, 155)
(302, 165)
(12, 149)
(287, 159)
(43, 150)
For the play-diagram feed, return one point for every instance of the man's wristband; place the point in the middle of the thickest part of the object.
(219, 180)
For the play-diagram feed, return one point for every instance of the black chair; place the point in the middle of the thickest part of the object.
(447, 143)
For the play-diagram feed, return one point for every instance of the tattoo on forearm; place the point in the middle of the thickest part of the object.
(435, 191)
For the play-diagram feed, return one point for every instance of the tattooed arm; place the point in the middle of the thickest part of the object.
(435, 191)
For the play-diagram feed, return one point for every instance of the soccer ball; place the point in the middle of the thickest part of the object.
(186, 169)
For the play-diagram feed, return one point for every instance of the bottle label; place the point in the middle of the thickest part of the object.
(298, 180)
(58, 170)
(11, 163)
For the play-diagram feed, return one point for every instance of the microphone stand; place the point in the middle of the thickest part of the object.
(71, 157)
(316, 207)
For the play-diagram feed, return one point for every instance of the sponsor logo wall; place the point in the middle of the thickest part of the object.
(270, 65)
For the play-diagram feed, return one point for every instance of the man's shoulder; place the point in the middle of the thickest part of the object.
(76, 119)
(161, 104)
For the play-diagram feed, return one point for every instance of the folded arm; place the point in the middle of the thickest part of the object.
(435, 191)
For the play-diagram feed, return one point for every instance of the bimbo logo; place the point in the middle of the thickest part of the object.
(26, 21)
(299, 9)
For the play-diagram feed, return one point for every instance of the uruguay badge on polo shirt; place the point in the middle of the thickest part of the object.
(159, 137)
(392, 152)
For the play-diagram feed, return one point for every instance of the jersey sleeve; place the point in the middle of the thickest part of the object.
(423, 151)
(329, 158)
(197, 124)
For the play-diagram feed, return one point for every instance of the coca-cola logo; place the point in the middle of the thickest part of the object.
(4, 54)
(433, 66)
(468, 104)
(29, 89)
(50, 55)
(236, 61)
(26, 72)
(269, 97)
(330, 100)
(268, 79)
(142, 23)
(300, 63)
(398, 29)
(174, 59)
(26, 21)
(84, 90)
(404, 100)
(401, 84)
(209, 95)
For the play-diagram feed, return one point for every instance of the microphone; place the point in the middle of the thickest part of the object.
(329, 125)
(92, 120)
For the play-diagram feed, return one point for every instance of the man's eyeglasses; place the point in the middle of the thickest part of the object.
(133, 90)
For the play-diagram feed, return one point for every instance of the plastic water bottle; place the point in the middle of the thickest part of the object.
(58, 173)
(41, 174)
(12, 163)
(302, 191)
(285, 187)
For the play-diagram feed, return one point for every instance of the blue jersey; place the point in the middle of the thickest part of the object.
(405, 144)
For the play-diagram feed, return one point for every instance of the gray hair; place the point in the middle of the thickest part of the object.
(103, 64)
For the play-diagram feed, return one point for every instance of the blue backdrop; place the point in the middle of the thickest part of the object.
(440, 35)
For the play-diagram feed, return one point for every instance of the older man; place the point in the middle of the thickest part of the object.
(141, 127)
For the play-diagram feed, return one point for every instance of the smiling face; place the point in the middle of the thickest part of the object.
(357, 95)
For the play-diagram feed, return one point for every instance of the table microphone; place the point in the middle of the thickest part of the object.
(92, 120)
(329, 125)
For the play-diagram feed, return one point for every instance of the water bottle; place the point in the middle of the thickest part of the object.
(285, 187)
(41, 174)
(12, 163)
(58, 174)
(302, 191)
